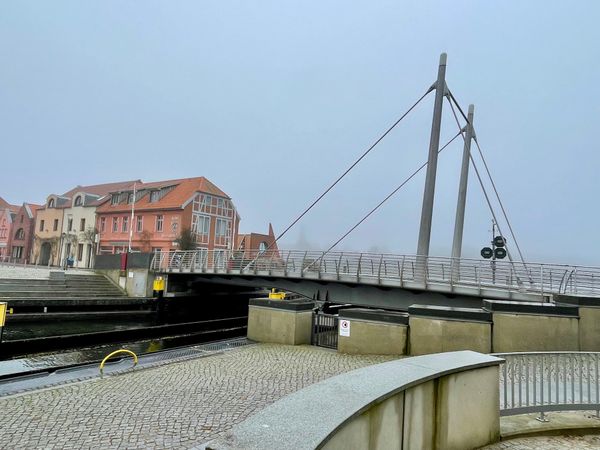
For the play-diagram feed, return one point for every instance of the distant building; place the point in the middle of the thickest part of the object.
(161, 211)
(255, 244)
(21, 240)
(7, 214)
(50, 241)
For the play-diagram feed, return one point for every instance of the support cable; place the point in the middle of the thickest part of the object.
(487, 199)
(512, 233)
(499, 201)
(382, 202)
(351, 167)
(297, 219)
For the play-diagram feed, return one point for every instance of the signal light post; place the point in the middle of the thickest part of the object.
(496, 251)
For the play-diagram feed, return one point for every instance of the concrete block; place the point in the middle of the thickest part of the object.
(419, 416)
(376, 338)
(279, 326)
(467, 411)
(434, 335)
(530, 333)
(589, 329)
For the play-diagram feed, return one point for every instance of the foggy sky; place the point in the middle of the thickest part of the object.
(272, 100)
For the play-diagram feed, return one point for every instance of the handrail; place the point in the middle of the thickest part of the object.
(549, 381)
(428, 272)
(122, 350)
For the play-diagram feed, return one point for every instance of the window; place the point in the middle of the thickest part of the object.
(20, 234)
(78, 200)
(21, 218)
(102, 224)
(154, 196)
(70, 224)
(221, 228)
(51, 203)
(79, 252)
(125, 224)
(17, 252)
(115, 226)
(114, 200)
(130, 197)
(139, 224)
(82, 225)
(262, 247)
(206, 202)
(55, 225)
(42, 225)
(159, 222)
(201, 227)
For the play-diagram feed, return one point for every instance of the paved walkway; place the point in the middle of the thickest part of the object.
(179, 405)
(549, 443)
(9, 271)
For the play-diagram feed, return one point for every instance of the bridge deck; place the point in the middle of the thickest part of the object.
(482, 278)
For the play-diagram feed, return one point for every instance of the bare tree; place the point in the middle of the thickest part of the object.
(186, 240)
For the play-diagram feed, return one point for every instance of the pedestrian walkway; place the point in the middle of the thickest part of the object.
(179, 405)
(566, 442)
(10, 271)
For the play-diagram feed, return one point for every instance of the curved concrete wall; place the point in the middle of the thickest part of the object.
(442, 401)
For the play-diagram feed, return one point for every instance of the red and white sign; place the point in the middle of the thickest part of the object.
(345, 328)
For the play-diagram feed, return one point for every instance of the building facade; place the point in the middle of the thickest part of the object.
(252, 245)
(50, 241)
(7, 215)
(155, 216)
(21, 240)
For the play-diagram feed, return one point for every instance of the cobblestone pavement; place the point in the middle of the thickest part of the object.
(178, 405)
(549, 443)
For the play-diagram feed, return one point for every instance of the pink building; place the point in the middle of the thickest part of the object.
(7, 215)
(161, 211)
(21, 238)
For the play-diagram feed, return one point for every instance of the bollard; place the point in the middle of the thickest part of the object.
(158, 287)
(2, 318)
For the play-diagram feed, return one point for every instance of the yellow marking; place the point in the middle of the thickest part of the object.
(135, 358)
(159, 284)
(274, 295)
(2, 314)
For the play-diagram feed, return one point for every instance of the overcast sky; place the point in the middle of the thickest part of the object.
(272, 100)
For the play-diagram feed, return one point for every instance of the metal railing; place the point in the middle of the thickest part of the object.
(372, 268)
(549, 381)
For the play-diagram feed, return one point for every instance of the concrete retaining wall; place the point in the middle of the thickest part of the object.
(280, 322)
(374, 332)
(445, 401)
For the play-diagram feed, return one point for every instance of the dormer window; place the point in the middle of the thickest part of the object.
(114, 200)
(51, 203)
(130, 198)
(154, 196)
(78, 201)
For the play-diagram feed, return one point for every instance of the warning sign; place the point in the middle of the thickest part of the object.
(345, 328)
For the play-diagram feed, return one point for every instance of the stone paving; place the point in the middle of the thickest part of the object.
(179, 405)
(549, 443)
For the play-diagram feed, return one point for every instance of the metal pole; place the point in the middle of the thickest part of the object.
(462, 189)
(132, 219)
(434, 143)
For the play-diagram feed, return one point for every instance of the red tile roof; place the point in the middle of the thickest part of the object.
(101, 189)
(183, 190)
(4, 204)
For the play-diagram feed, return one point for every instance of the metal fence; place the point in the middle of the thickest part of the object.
(371, 268)
(324, 330)
(549, 381)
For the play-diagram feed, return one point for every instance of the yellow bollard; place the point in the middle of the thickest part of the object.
(135, 359)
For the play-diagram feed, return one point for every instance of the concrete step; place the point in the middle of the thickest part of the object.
(74, 288)
(50, 294)
(80, 301)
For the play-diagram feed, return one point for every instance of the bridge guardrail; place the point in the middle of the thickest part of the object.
(549, 381)
(538, 278)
